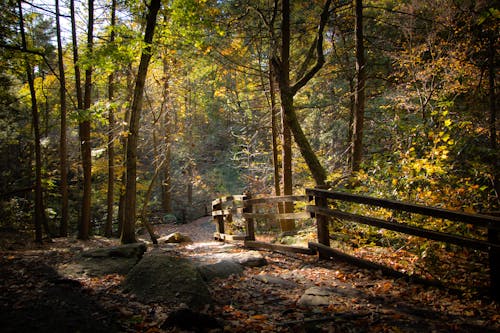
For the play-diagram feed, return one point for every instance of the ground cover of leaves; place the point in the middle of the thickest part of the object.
(33, 297)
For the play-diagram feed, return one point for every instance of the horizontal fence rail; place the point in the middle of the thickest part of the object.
(318, 206)
(322, 211)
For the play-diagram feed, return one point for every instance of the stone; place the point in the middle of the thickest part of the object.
(221, 270)
(103, 261)
(169, 279)
(248, 259)
(134, 250)
(315, 296)
(175, 237)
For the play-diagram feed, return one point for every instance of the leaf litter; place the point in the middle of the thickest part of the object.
(263, 299)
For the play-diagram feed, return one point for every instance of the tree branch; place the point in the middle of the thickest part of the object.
(320, 57)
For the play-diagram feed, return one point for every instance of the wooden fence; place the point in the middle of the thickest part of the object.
(224, 208)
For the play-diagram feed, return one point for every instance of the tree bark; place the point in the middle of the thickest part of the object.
(493, 113)
(123, 139)
(167, 181)
(359, 97)
(39, 209)
(108, 230)
(287, 91)
(128, 230)
(286, 225)
(275, 131)
(84, 131)
(63, 148)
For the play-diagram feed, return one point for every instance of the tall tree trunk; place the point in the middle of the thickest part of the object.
(84, 131)
(287, 91)
(286, 107)
(123, 140)
(39, 209)
(275, 133)
(359, 97)
(128, 231)
(108, 230)
(167, 181)
(286, 153)
(493, 112)
(63, 149)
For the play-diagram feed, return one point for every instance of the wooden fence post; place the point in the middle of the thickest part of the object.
(218, 219)
(494, 258)
(250, 227)
(322, 221)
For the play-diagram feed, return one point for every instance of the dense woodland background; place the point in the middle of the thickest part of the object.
(396, 101)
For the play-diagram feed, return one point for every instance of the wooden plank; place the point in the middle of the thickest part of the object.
(490, 222)
(230, 211)
(279, 247)
(410, 230)
(249, 222)
(228, 198)
(277, 199)
(277, 216)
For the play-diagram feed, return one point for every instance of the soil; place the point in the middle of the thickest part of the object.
(35, 298)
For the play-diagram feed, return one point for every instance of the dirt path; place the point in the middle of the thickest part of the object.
(34, 298)
(200, 230)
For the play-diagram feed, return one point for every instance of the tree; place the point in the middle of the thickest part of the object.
(63, 149)
(84, 132)
(128, 231)
(108, 231)
(167, 178)
(359, 95)
(39, 216)
(288, 90)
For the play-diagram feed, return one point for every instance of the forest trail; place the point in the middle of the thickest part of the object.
(33, 297)
(199, 230)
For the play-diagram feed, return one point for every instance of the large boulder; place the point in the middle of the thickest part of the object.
(248, 258)
(102, 261)
(169, 279)
(221, 269)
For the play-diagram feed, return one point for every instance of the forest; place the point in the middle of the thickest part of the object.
(116, 115)
(400, 106)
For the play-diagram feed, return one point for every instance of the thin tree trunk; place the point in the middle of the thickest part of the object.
(275, 133)
(147, 199)
(123, 139)
(39, 209)
(359, 97)
(167, 181)
(84, 130)
(286, 144)
(128, 231)
(108, 230)
(63, 149)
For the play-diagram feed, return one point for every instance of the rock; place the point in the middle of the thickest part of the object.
(315, 296)
(221, 269)
(135, 250)
(175, 237)
(169, 279)
(103, 261)
(249, 258)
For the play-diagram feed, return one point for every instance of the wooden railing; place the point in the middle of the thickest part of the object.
(223, 209)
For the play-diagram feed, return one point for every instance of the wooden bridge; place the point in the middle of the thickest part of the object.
(322, 205)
